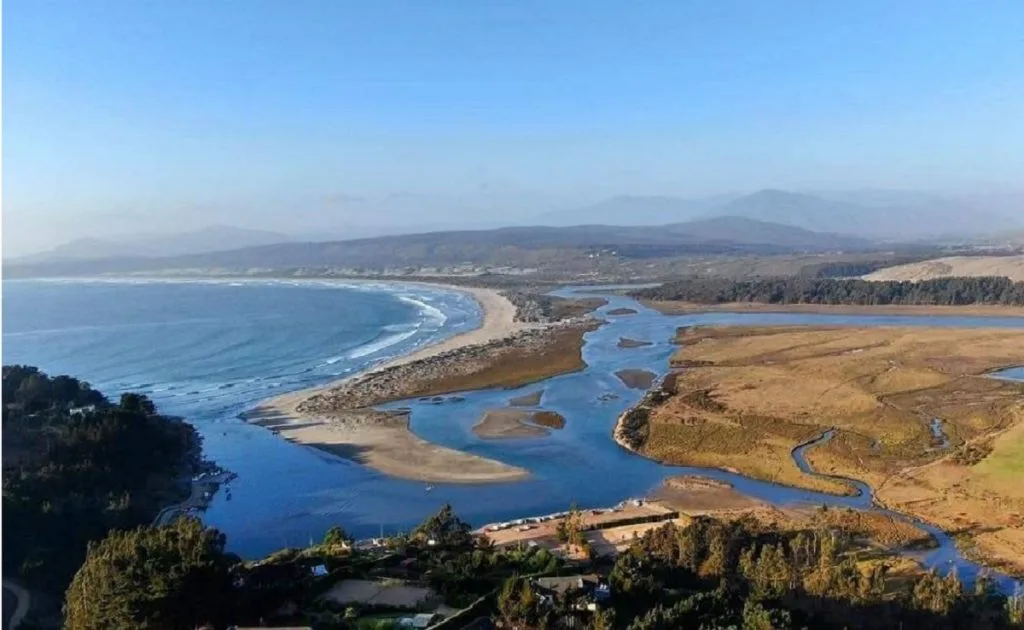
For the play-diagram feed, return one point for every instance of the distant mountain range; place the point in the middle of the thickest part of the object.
(632, 210)
(511, 246)
(886, 215)
(767, 221)
(210, 239)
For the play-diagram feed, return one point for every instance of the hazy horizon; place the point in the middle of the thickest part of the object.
(306, 117)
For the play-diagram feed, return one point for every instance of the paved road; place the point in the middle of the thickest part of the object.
(16, 602)
(10, 603)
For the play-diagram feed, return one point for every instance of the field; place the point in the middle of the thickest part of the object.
(700, 496)
(749, 395)
(959, 266)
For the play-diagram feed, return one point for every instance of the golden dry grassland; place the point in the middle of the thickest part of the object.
(750, 394)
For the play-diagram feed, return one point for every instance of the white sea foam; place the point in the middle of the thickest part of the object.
(380, 344)
(437, 317)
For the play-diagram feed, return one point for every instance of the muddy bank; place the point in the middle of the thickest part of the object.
(499, 424)
(702, 494)
(527, 400)
(636, 379)
(626, 342)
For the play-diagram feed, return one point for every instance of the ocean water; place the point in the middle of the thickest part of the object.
(210, 350)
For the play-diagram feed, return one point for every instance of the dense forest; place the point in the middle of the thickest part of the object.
(853, 269)
(809, 290)
(76, 466)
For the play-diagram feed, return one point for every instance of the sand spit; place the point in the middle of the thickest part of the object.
(499, 424)
(339, 418)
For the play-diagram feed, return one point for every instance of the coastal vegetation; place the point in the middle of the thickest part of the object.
(520, 359)
(715, 574)
(160, 577)
(707, 573)
(544, 354)
(854, 268)
(76, 466)
(180, 576)
(813, 290)
(538, 307)
(751, 395)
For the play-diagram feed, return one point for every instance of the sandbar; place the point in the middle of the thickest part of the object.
(498, 424)
(622, 311)
(384, 441)
(516, 423)
(626, 342)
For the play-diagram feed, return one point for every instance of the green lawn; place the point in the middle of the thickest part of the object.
(1006, 461)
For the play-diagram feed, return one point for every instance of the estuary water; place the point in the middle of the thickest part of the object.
(210, 350)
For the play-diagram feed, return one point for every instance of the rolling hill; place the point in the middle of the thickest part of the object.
(875, 214)
(513, 246)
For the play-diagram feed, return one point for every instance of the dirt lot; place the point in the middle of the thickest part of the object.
(751, 394)
(382, 593)
(546, 530)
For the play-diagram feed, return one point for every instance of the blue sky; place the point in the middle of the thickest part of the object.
(142, 114)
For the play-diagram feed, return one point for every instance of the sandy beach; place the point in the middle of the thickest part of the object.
(383, 441)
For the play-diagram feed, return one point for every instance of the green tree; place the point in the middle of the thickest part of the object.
(137, 402)
(445, 528)
(161, 578)
(336, 537)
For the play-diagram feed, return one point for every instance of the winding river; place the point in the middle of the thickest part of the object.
(238, 343)
(582, 463)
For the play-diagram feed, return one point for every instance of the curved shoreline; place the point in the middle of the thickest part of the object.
(384, 441)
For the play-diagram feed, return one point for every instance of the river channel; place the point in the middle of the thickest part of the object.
(210, 350)
(582, 463)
